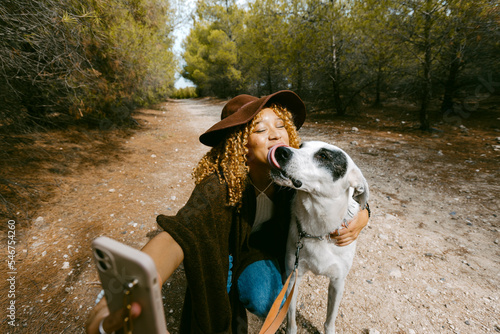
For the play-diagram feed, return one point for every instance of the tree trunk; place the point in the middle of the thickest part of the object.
(269, 80)
(426, 92)
(337, 100)
(378, 102)
(449, 87)
(426, 84)
(300, 79)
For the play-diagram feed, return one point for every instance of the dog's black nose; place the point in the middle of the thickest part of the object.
(282, 154)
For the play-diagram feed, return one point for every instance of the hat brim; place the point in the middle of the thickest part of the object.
(285, 98)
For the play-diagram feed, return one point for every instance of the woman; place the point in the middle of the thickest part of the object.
(231, 234)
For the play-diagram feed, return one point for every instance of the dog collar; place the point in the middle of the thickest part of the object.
(303, 234)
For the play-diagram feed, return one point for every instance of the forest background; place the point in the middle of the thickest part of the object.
(98, 60)
(88, 64)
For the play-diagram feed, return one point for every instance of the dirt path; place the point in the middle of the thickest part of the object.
(427, 263)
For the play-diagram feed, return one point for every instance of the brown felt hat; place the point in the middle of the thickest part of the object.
(243, 108)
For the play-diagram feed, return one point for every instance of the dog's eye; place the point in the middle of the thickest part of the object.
(323, 155)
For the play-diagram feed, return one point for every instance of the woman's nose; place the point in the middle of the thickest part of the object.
(274, 134)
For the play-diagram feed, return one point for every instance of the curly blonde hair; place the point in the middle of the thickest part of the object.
(228, 159)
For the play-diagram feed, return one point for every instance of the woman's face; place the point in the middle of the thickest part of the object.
(269, 130)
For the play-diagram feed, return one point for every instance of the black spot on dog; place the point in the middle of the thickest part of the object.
(333, 161)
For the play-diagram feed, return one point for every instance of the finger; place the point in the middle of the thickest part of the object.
(136, 310)
(345, 242)
(339, 233)
(99, 312)
(345, 239)
(115, 321)
(342, 234)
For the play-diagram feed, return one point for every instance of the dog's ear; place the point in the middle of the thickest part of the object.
(358, 182)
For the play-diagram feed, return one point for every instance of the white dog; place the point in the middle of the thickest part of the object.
(330, 191)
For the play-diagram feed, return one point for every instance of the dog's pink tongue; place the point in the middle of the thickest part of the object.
(271, 157)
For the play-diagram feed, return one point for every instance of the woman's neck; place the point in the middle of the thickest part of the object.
(261, 181)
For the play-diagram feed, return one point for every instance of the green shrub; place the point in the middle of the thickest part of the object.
(83, 58)
(184, 93)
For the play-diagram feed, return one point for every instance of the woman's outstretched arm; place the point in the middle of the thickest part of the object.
(167, 256)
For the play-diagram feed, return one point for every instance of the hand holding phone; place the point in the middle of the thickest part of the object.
(129, 275)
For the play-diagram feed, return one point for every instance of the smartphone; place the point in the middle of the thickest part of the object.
(129, 275)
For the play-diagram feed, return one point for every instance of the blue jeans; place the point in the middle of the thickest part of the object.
(258, 285)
